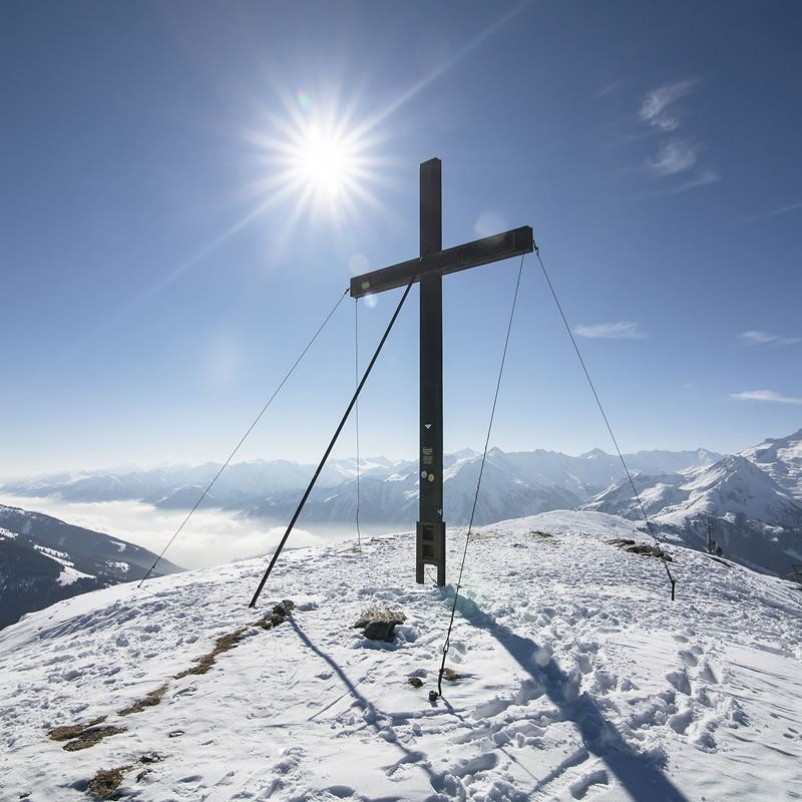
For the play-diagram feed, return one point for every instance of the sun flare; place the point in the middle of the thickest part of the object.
(315, 159)
(325, 162)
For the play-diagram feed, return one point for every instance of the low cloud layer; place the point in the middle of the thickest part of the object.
(210, 538)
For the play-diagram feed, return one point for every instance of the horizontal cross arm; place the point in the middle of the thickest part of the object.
(472, 254)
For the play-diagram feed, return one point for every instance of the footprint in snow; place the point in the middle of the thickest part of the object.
(580, 788)
(679, 680)
(474, 765)
(680, 722)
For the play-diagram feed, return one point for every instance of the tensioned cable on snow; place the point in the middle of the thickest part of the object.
(244, 437)
(336, 435)
(356, 417)
(447, 643)
(606, 419)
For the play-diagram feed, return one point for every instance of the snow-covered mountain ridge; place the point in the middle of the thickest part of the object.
(753, 499)
(518, 483)
(780, 458)
(752, 516)
(43, 560)
(578, 679)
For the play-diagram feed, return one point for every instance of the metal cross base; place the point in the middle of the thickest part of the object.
(431, 550)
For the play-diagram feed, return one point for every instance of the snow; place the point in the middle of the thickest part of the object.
(792, 453)
(70, 574)
(54, 554)
(781, 458)
(579, 679)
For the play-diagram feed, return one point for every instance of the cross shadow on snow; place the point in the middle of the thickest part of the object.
(370, 712)
(639, 774)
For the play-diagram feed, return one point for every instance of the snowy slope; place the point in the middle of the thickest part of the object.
(44, 560)
(734, 486)
(655, 492)
(754, 520)
(780, 458)
(579, 679)
(737, 486)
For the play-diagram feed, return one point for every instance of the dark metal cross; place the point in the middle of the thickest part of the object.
(428, 270)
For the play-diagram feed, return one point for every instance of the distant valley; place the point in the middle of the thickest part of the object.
(44, 560)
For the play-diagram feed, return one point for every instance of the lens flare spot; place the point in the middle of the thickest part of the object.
(304, 100)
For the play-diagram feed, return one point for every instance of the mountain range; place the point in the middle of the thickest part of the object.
(752, 500)
(514, 484)
(44, 560)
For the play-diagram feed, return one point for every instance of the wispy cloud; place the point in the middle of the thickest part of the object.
(623, 330)
(701, 179)
(764, 338)
(766, 395)
(791, 207)
(674, 156)
(609, 89)
(660, 111)
(656, 105)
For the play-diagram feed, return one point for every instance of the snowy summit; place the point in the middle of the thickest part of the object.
(572, 676)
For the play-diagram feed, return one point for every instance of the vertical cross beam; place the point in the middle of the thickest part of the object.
(428, 270)
(431, 530)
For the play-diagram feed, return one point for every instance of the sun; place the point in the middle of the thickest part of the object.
(313, 160)
(325, 162)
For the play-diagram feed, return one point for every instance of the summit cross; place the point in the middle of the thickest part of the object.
(428, 270)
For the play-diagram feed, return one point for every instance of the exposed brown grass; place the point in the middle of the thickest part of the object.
(450, 675)
(73, 730)
(84, 736)
(270, 620)
(225, 643)
(91, 737)
(151, 700)
(105, 783)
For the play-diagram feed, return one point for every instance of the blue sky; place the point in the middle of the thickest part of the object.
(161, 269)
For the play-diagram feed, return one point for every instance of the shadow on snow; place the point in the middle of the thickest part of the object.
(639, 774)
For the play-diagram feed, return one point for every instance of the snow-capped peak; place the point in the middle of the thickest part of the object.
(780, 458)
